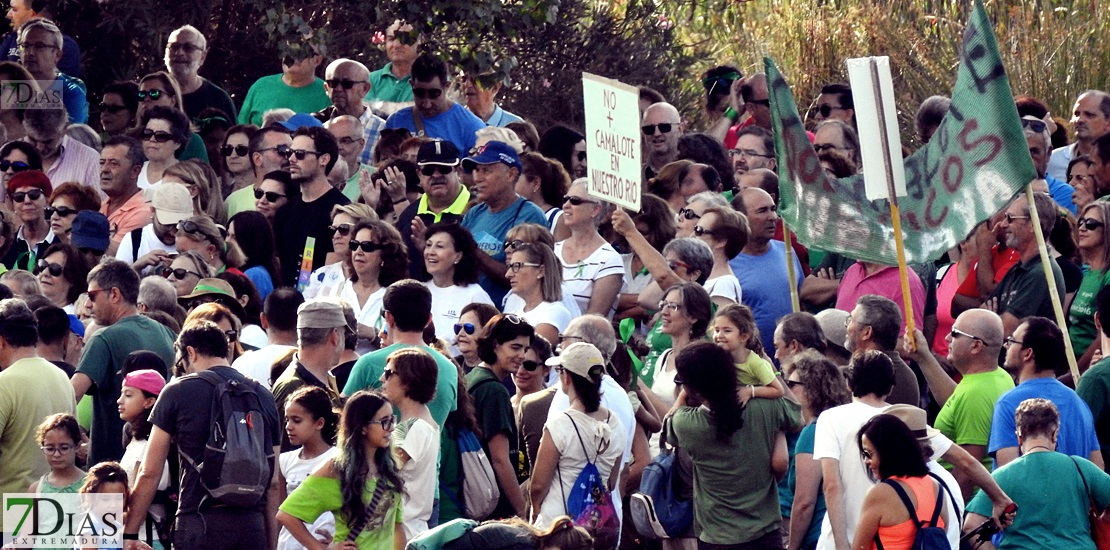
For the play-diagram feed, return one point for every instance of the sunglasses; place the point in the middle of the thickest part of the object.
(344, 83)
(530, 366)
(178, 273)
(827, 109)
(344, 229)
(427, 93)
(34, 194)
(794, 384)
(1090, 224)
(431, 169)
(687, 214)
(61, 211)
(664, 128)
(1037, 126)
(239, 150)
(468, 327)
(271, 196)
(386, 423)
(54, 269)
(700, 231)
(956, 333)
(232, 335)
(582, 156)
(15, 166)
(299, 153)
(513, 245)
(577, 201)
(365, 246)
(153, 95)
(515, 266)
(156, 136)
(112, 109)
(281, 150)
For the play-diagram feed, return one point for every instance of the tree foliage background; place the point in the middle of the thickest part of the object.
(1053, 49)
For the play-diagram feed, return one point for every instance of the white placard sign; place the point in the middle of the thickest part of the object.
(865, 81)
(612, 140)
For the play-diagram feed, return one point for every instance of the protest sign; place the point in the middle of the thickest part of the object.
(612, 140)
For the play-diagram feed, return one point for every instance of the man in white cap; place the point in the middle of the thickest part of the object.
(151, 245)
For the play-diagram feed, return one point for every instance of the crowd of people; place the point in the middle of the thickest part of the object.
(376, 308)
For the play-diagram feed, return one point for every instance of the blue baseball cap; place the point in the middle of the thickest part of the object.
(90, 230)
(300, 120)
(492, 153)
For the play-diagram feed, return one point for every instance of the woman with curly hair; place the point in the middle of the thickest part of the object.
(378, 259)
(450, 272)
(65, 202)
(361, 485)
(818, 385)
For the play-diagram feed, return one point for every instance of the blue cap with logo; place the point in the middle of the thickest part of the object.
(492, 153)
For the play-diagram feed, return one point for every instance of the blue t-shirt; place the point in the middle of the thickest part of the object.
(1077, 426)
(501, 117)
(805, 446)
(456, 125)
(763, 280)
(489, 230)
(261, 279)
(73, 97)
(1061, 193)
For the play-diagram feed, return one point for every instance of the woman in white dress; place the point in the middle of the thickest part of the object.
(592, 268)
(378, 259)
(536, 276)
(344, 218)
(726, 232)
(450, 272)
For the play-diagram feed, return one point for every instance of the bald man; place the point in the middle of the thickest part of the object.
(186, 51)
(347, 83)
(967, 408)
(661, 126)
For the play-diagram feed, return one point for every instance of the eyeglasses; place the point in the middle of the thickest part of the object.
(530, 365)
(300, 153)
(827, 109)
(664, 128)
(848, 320)
(515, 266)
(794, 384)
(1090, 224)
(345, 84)
(349, 140)
(513, 318)
(386, 423)
(822, 147)
(36, 46)
(867, 454)
(747, 153)
(61, 211)
(675, 264)
(1010, 218)
(365, 246)
(111, 109)
(430, 169)
(1038, 126)
(686, 213)
(577, 201)
(271, 196)
(15, 166)
(179, 273)
(344, 229)
(700, 231)
(151, 95)
(427, 93)
(388, 373)
(956, 333)
(34, 194)
(54, 269)
(679, 381)
(513, 245)
(185, 47)
(156, 136)
(468, 327)
(1010, 340)
(57, 450)
(565, 337)
(669, 306)
(239, 150)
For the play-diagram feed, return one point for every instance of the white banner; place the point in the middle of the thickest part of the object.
(612, 140)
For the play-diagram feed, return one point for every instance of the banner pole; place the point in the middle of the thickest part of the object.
(790, 273)
(1054, 295)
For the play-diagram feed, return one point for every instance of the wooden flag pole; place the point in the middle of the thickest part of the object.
(1053, 294)
(790, 273)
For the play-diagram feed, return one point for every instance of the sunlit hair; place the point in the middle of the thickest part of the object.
(352, 462)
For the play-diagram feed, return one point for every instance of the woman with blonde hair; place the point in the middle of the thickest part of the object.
(536, 276)
(203, 184)
(203, 236)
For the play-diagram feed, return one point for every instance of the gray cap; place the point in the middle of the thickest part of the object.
(320, 314)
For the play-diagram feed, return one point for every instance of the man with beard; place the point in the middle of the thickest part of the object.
(444, 200)
(313, 153)
(186, 51)
(269, 151)
(152, 246)
(346, 82)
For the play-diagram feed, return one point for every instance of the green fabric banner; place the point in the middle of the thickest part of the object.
(976, 161)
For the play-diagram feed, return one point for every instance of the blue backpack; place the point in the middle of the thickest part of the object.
(929, 535)
(590, 503)
(657, 481)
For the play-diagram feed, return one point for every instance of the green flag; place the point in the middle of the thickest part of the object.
(976, 161)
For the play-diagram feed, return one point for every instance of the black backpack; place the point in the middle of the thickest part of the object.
(235, 468)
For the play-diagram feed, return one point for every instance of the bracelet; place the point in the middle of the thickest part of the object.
(731, 114)
(400, 200)
(130, 536)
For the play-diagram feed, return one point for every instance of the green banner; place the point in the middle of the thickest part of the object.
(976, 161)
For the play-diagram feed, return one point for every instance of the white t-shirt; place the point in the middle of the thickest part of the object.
(253, 336)
(421, 442)
(601, 443)
(147, 244)
(835, 437)
(144, 177)
(551, 313)
(447, 302)
(579, 278)
(369, 313)
(663, 386)
(513, 302)
(329, 275)
(256, 364)
(295, 469)
(726, 286)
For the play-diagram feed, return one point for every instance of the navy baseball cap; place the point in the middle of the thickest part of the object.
(492, 153)
(90, 230)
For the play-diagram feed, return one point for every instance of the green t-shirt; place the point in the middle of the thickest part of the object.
(386, 87)
(317, 495)
(966, 417)
(193, 149)
(240, 200)
(270, 92)
(735, 496)
(657, 344)
(756, 371)
(1081, 315)
(1052, 504)
(1094, 389)
(368, 370)
(102, 362)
